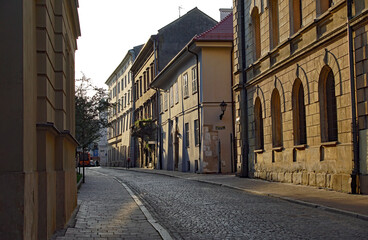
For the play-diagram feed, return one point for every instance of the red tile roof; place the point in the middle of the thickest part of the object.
(223, 31)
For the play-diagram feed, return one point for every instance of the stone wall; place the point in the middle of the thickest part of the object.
(320, 43)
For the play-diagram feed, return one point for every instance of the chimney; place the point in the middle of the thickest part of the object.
(224, 12)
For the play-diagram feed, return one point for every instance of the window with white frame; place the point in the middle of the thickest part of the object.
(185, 85)
(194, 80)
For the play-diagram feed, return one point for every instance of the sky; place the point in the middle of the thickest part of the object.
(110, 28)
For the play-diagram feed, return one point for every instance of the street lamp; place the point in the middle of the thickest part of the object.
(223, 106)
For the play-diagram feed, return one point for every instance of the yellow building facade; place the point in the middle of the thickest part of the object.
(298, 84)
(37, 175)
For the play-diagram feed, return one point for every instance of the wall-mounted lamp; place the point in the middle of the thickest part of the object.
(223, 106)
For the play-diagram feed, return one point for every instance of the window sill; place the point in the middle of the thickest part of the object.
(329, 144)
(300, 147)
(277, 149)
(187, 96)
(259, 151)
(194, 92)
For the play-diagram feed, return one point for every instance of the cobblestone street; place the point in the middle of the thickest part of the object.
(107, 211)
(196, 210)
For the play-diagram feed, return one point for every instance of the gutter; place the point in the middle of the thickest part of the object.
(355, 188)
(198, 110)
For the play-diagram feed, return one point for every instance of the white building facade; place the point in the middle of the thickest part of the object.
(120, 113)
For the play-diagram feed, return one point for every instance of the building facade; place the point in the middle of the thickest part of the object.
(196, 136)
(120, 114)
(155, 54)
(38, 178)
(299, 79)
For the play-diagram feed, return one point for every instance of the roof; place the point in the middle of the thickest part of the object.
(223, 31)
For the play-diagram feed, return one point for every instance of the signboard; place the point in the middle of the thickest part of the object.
(220, 127)
(95, 153)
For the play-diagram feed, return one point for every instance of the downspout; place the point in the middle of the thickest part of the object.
(234, 154)
(158, 128)
(355, 172)
(244, 102)
(155, 72)
(134, 139)
(198, 110)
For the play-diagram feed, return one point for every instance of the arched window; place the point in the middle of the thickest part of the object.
(324, 5)
(276, 119)
(274, 23)
(258, 120)
(299, 120)
(256, 33)
(327, 105)
(296, 15)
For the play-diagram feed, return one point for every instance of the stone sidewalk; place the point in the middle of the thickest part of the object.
(349, 204)
(107, 211)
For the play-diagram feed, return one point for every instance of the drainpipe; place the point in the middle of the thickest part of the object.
(155, 72)
(133, 145)
(198, 111)
(234, 154)
(244, 102)
(356, 170)
(158, 138)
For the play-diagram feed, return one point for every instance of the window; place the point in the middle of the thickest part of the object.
(148, 77)
(140, 86)
(128, 121)
(145, 81)
(125, 81)
(152, 76)
(185, 85)
(196, 132)
(119, 105)
(176, 87)
(194, 80)
(274, 23)
(161, 102)
(186, 134)
(118, 87)
(122, 124)
(258, 121)
(171, 96)
(165, 101)
(327, 105)
(114, 91)
(276, 119)
(122, 102)
(299, 119)
(128, 97)
(256, 33)
(324, 5)
(296, 15)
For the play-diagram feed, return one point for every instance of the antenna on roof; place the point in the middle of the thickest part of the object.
(180, 7)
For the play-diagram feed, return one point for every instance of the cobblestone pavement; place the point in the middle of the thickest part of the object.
(107, 211)
(195, 210)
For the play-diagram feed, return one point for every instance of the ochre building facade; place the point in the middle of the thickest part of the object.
(300, 92)
(37, 174)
